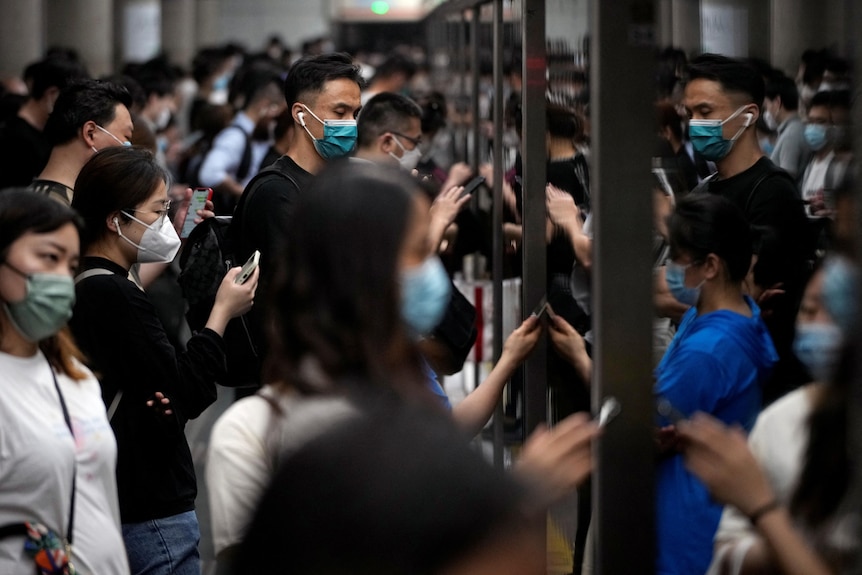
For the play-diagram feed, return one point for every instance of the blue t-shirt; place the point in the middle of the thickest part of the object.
(434, 385)
(716, 364)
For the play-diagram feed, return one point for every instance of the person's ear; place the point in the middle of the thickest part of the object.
(112, 221)
(386, 142)
(711, 266)
(298, 113)
(88, 133)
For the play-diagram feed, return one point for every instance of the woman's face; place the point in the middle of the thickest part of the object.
(55, 252)
(150, 211)
(811, 309)
(416, 247)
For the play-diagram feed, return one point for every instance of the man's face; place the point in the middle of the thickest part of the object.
(706, 100)
(409, 138)
(819, 115)
(338, 100)
(120, 128)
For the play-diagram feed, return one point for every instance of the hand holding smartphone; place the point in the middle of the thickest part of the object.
(199, 199)
(248, 268)
(472, 185)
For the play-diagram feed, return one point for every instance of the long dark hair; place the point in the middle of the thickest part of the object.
(335, 294)
(826, 475)
(23, 212)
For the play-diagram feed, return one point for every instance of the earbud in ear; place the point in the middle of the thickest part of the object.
(116, 222)
(748, 118)
(301, 117)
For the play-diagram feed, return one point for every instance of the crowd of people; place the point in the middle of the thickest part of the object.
(343, 453)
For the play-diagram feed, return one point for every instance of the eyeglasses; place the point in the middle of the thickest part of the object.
(414, 141)
(163, 213)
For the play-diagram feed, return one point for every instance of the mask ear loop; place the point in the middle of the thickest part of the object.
(748, 117)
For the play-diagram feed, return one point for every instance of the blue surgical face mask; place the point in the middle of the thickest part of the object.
(222, 82)
(818, 347)
(815, 136)
(838, 292)
(707, 136)
(339, 137)
(425, 292)
(675, 276)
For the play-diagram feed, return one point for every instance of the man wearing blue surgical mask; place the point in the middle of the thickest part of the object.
(825, 134)
(322, 94)
(724, 98)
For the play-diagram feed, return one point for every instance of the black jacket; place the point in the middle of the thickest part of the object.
(118, 330)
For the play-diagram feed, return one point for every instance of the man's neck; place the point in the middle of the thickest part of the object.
(823, 152)
(745, 153)
(64, 165)
(375, 156)
(302, 151)
(33, 113)
(784, 115)
(561, 149)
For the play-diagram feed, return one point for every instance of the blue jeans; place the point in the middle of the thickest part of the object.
(167, 546)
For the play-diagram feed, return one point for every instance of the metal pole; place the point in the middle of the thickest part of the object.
(475, 25)
(622, 139)
(534, 158)
(497, 243)
(854, 50)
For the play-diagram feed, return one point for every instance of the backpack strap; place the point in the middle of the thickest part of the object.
(244, 163)
(91, 273)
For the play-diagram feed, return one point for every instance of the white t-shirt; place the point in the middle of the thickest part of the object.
(815, 177)
(779, 441)
(244, 450)
(37, 459)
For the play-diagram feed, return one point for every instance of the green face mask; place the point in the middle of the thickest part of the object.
(46, 307)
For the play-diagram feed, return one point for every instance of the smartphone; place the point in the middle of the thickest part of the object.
(610, 409)
(248, 268)
(472, 185)
(198, 202)
(668, 411)
(542, 307)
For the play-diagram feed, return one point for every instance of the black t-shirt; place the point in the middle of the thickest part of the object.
(260, 222)
(24, 151)
(775, 209)
(263, 213)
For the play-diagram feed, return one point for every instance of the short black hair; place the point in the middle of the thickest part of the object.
(703, 224)
(785, 88)
(55, 72)
(735, 76)
(207, 62)
(831, 99)
(81, 102)
(385, 112)
(311, 73)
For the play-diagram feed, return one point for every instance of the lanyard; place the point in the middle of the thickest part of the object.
(74, 468)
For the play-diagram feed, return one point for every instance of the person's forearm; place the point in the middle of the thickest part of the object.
(436, 231)
(791, 551)
(474, 411)
(218, 319)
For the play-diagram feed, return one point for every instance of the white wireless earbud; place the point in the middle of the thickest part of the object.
(748, 118)
(301, 117)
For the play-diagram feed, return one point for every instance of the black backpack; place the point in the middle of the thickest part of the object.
(208, 254)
